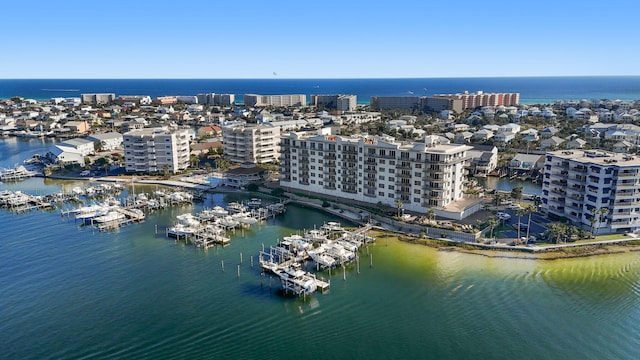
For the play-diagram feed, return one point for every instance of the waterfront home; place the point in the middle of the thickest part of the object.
(79, 127)
(108, 141)
(526, 162)
(482, 159)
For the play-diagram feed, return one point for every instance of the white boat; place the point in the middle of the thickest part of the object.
(315, 235)
(332, 226)
(296, 281)
(111, 216)
(235, 207)
(339, 253)
(180, 230)
(18, 172)
(254, 203)
(247, 220)
(228, 222)
(188, 220)
(347, 245)
(219, 211)
(87, 213)
(322, 259)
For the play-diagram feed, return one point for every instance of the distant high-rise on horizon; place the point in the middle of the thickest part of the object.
(480, 98)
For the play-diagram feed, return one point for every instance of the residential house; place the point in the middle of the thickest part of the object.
(576, 143)
(551, 143)
(526, 162)
(482, 160)
(623, 147)
(108, 141)
(79, 127)
(548, 132)
(482, 135)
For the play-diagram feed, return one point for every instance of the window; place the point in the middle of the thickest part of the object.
(392, 171)
(380, 193)
(391, 187)
(391, 195)
(416, 200)
(381, 186)
(381, 177)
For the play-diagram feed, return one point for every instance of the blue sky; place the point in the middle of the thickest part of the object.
(317, 39)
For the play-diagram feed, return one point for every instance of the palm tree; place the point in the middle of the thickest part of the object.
(431, 215)
(529, 209)
(592, 220)
(519, 212)
(492, 221)
(602, 214)
(399, 205)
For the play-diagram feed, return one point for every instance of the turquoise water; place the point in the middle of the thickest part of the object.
(72, 292)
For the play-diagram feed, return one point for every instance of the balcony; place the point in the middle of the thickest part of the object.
(625, 184)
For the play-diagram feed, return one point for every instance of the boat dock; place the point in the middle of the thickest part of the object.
(20, 202)
(329, 247)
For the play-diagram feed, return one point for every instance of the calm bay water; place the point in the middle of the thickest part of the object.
(71, 292)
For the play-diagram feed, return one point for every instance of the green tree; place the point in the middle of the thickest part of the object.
(516, 193)
(592, 220)
(520, 213)
(399, 205)
(223, 164)
(193, 160)
(431, 215)
(492, 221)
(529, 209)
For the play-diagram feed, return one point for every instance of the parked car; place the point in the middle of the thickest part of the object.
(514, 207)
(503, 216)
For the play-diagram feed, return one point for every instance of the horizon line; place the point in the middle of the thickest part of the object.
(321, 78)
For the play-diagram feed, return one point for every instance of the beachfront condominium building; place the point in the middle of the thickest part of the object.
(97, 99)
(216, 99)
(156, 150)
(371, 169)
(596, 189)
(338, 102)
(275, 100)
(256, 144)
(415, 102)
(480, 98)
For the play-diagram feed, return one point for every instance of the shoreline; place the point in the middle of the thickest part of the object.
(553, 252)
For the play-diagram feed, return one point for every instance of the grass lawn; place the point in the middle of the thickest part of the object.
(611, 237)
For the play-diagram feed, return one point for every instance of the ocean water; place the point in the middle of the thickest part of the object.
(533, 90)
(69, 291)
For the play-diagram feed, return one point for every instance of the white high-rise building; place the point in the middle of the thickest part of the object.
(251, 144)
(275, 100)
(596, 189)
(152, 150)
(371, 169)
